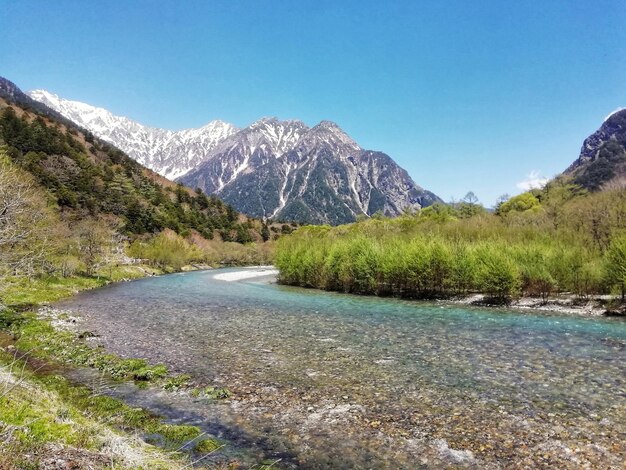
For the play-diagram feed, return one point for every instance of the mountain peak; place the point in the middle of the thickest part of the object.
(325, 124)
(46, 97)
(81, 113)
(216, 122)
(273, 168)
(329, 127)
(265, 120)
(217, 125)
(274, 121)
(40, 93)
(329, 134)
(158, 149)
(620, 110)
(603, 154)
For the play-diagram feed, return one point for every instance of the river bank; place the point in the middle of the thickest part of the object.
(597, 306)
(49, 421)
(566, 305)
(293, 394)
(341, 380)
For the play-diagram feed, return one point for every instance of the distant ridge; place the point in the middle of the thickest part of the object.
(169, 153)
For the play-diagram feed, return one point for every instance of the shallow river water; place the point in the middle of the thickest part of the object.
(324, 380)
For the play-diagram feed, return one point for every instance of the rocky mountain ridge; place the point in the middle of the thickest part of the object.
(169, 153)
(270, 169)
(602, 157)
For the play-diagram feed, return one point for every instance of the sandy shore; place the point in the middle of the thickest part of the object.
(247, 273)
(566, 305)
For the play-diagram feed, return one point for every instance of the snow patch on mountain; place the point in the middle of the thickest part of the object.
(169, 153)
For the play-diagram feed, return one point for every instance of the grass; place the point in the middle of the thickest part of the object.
(23, 292)
(40, 414)
(39, 410)
(44, 341)
(27, 292)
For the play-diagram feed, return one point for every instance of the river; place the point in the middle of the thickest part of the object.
(327, 380)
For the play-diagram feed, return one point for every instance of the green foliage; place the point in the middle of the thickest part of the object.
(498, 274)
(243, 234)
(150, 373)
(206, 446)
(523, 202)
(177, 382)
(176, 436)
(106, 181)
(468, 207)
(44, 409)
(21, 291)
(540, 244)
(136, 369)
(215, 393)
(439, 212)
(615, 260)
(166, 250)
(265, 232)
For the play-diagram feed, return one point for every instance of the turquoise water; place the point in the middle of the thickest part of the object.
(345, 381)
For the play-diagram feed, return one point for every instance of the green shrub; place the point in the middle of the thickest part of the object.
(177, 382)
(166, 250)
(615, 264)
(498, 276)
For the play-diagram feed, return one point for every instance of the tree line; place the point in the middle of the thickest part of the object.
(101, 179)
(558, 240)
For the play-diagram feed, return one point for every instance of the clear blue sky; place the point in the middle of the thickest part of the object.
(466, 95)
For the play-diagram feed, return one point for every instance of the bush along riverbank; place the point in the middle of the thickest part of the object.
(46, 421)
(442, 254)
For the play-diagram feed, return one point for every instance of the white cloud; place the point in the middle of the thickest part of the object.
(534, 180)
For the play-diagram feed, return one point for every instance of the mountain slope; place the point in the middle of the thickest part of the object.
(89, 179)
(271, 169)
(324, 177)
(603, 155)
(169, 153)
(243, 153)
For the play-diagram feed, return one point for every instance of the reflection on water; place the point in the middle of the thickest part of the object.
(340, 380)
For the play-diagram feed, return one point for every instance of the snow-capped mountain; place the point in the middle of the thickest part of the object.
(271, 169)
(169, 153)
(244, 152)
(285, 170)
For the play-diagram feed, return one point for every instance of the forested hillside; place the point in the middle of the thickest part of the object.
(100, 179)
(70, 203)
(557, 240)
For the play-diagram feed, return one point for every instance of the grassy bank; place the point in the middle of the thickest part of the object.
(45, 420)
(23, 291)
(43, 416)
